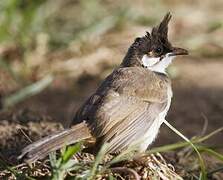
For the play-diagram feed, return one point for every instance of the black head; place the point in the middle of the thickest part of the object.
(154, 44)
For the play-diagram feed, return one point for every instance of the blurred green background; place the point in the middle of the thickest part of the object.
(33, 31)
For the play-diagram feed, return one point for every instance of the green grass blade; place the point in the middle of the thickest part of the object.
(210, 152)
(202, 164)
(98, 160)
(64, 163)
(178, 145)
(53, 159)
(71, 150)
(28, 91)
(122, 156)
(210, 135)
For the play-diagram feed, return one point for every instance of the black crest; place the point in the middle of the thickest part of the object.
(156, 41)
(159, 34)
(158, 37)
(162, 28)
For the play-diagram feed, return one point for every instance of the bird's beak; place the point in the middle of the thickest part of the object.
(178, 51)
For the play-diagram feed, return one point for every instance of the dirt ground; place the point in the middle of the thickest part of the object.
(198, 96)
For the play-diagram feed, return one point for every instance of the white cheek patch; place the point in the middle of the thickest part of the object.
(149, 61)
(157, 65)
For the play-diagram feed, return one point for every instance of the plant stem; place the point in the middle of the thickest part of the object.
(203, 175)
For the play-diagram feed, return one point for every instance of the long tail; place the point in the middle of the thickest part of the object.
(44, 146)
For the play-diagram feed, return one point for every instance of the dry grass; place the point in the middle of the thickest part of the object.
(150, 166)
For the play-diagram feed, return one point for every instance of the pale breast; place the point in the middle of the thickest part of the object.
(152, 132)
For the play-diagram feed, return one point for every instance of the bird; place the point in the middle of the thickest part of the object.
(128, 107)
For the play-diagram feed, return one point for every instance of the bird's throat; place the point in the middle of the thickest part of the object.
(157, 64)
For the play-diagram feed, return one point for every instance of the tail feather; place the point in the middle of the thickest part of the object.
(44, 146)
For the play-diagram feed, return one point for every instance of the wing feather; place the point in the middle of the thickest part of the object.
(131, 130)
(125, 106)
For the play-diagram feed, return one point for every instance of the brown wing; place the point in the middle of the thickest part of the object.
(133, 128)
(125, 105)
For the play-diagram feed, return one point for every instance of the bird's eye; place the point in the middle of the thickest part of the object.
(158, 50)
